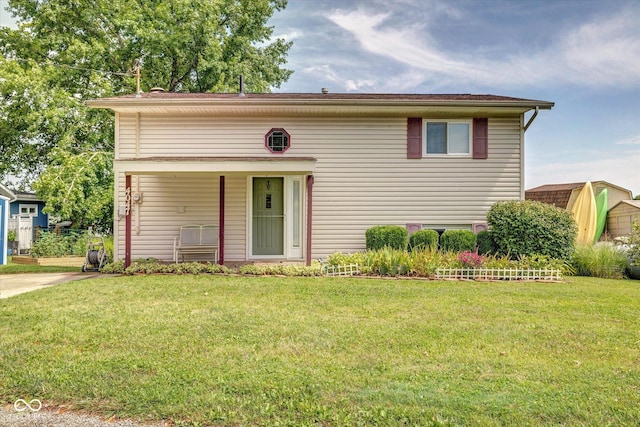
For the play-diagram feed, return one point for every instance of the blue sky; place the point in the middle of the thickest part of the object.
(583, 55)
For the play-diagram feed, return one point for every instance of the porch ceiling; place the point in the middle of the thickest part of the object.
(160, 165)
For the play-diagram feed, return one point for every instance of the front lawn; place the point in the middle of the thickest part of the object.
(13, 268)
(225, 350)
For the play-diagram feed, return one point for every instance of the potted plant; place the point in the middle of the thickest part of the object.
(12, 242)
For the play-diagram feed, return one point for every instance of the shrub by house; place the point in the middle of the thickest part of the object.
(527, 228)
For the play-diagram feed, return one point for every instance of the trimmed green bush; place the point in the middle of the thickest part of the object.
(458, 241)
(527, 227)
(485, 243)
(424, 239)
(393, 236)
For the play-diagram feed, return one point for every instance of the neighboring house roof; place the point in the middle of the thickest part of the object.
(7, 193)
(559, 194)
(633, 203)
(311, 103)
(553, 194)
(23, 196)
(18, 195)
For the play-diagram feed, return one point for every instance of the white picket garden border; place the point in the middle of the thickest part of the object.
(342, 270)
(537, 274)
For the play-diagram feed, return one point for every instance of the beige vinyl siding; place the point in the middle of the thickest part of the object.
(362, 175)
(621, 218)
(235, 219)
(367, 180)
(614, 195)
(126, 136)
(167, 205)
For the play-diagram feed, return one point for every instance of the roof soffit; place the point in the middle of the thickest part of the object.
(388, 106)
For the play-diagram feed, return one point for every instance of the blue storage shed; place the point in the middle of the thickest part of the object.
(27, 204)
(4, 226)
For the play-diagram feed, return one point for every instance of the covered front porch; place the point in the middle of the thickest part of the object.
(262, 207)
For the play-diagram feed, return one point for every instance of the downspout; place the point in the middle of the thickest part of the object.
(309, 216)
(221, 223)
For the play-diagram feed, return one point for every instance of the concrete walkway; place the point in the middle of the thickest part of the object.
(15, 284)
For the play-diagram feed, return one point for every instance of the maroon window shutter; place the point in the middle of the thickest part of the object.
(480, 138)
(414, 138)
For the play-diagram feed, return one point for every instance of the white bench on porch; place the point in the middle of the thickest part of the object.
(197, 242)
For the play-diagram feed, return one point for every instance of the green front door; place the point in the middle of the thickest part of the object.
(268, 216)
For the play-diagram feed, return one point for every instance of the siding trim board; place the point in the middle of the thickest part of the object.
(156, 165)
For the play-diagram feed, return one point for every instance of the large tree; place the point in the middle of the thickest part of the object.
(66, 51)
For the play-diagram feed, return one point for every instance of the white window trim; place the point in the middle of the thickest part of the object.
(28, 206)
(425, 123)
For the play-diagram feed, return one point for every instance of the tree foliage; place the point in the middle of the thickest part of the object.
(64, 52)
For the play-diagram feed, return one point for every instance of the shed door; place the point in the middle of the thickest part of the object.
(268, 216)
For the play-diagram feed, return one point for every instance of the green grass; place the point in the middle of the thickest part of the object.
(223, 350)
(13, 268)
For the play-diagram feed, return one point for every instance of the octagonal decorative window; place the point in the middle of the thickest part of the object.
(277, 140)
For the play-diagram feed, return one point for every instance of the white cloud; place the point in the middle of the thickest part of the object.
(631, 141)
(355, 85)
(602, 53)
(324, 72)
(605, 52)
(292, 35)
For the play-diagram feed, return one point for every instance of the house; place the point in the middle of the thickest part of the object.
(564, 195)
(621, 217)
(26, 213)
(296, 177)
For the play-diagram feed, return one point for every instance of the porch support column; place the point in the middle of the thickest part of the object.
(221, 225)
(127, 227)
(309, 216)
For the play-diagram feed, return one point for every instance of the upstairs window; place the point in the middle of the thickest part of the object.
(277, 140)
(448, 138)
